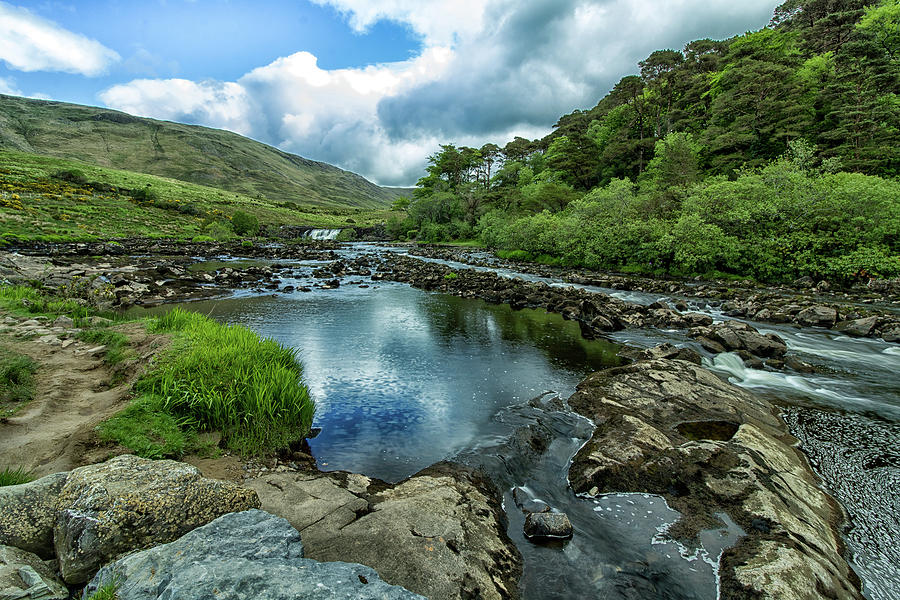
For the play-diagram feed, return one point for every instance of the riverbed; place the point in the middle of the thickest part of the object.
(404, 378)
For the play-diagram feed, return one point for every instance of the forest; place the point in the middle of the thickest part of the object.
(772, 155)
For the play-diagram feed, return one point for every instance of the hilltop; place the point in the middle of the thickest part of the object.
(190, 153)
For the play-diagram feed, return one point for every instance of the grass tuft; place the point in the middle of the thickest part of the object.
(16, 381)
(108, 591)
(215, 378)
(116, 343)
(10, 476)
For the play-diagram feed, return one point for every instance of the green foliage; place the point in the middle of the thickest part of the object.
(227, 378)
(16, 381)
(451, 275)
(108, 591)
(116, 343)
(244, 224)
(219, 231)
(17, 476)
(246, 244)
(202, 238)
(147, 429)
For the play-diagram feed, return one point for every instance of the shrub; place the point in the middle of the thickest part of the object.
(71, 176)
(218, 231)
(244, 223)
(144, 194)
(202, 238)
(246, 244)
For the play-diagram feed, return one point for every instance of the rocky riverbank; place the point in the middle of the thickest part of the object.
(865, 310)
(670, 427)
(441, 533)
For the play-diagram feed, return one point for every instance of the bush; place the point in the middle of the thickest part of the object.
(71, 176)
(144, 194)
(244, 224)
(218, 231)
(202, 238)
(246, 244)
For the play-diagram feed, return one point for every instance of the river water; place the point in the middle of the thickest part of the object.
(403, 378)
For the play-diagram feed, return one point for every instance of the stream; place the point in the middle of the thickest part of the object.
(403, 378)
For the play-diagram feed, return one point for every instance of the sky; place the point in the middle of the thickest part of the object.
(373, 86)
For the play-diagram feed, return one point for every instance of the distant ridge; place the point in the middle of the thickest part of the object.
(191, 153)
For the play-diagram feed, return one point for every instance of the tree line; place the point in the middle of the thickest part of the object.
(774, 154)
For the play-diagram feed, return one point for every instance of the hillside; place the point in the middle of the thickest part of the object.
(210, 157)
(53, 199)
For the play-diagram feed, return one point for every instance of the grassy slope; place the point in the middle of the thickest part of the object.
(35, 206)
(189, 153)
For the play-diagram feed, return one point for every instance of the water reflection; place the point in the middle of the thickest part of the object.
(403, 379)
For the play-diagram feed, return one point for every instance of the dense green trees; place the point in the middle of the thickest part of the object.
(722, 157)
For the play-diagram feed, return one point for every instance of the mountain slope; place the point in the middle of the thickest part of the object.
(189, 153)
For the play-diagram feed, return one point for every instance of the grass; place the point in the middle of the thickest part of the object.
(10, 476)
(116, 343)
(54, 200)
(107, 591)
(215, 378)
(16, 381)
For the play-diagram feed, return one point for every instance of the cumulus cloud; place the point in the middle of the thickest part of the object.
(31, 43)
(488, 71)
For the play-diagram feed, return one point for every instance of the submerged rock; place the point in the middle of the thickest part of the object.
(669, 427)
(24, 576)
(250, 554)
(441, 533)
(547, 526)
(129, 503)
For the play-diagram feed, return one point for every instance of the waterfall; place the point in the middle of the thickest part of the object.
(322, 234)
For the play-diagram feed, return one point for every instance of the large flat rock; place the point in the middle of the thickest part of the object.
(441, 533)
(670, 427)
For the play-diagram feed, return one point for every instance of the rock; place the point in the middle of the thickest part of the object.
(547, 526)
(669, 427)
(64, 321)
(441, 533)
(891, 335)
(817, 316)
(28, 513)
(129, 503)
(250, 554)
(857, 327)
(24, 576)
(697, 319)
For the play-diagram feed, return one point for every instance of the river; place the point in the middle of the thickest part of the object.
(403, 378)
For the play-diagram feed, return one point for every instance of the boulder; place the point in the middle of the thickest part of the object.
(130, 503)
(444, 528)
(250, 554)
(28, 513)
(735, 336)
(541, 526)
(858, 327)
(671, 428)
(817, 316)
(24, 576)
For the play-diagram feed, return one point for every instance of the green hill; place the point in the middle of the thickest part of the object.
(54, 199)
(210, 157)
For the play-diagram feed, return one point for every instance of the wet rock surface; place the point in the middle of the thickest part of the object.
(441, 533)
(250, 554)
(734, 457)
(547, 526)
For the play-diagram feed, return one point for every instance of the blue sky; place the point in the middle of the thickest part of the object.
(370, 85)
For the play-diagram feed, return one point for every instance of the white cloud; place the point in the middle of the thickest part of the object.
(8, 86)
(31, 43)
(488, 71)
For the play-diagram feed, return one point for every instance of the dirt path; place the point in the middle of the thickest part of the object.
(55, 431)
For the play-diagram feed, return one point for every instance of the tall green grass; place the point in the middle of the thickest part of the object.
(10, 476)
(229, 379)
(16, 381)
